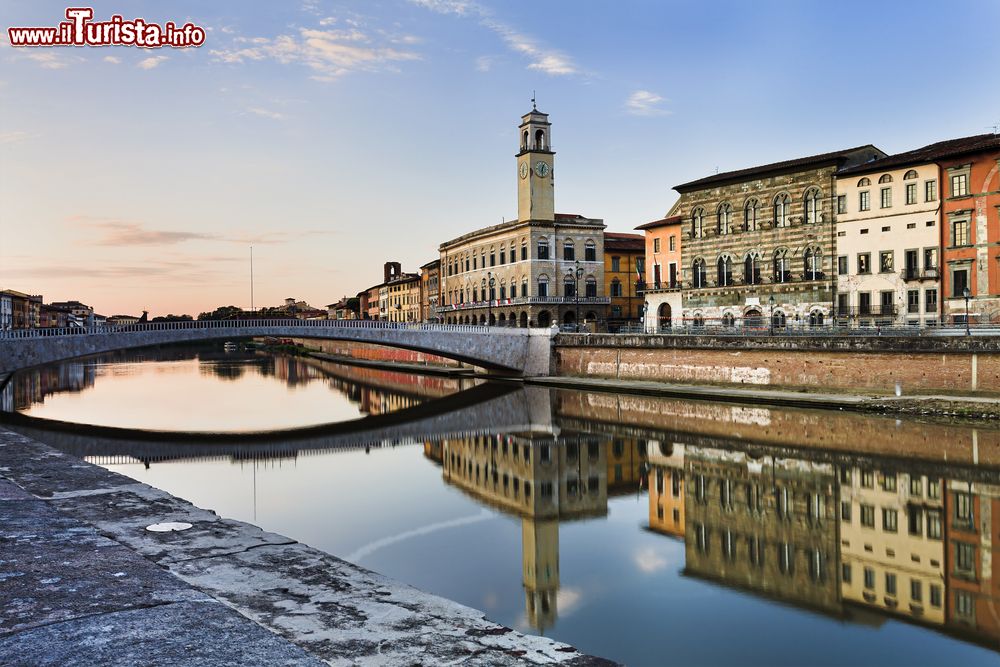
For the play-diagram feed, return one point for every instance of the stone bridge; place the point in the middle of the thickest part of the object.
(512, 351)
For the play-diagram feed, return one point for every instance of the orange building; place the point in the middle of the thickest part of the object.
(970, 209)
(662, 305)
(666, 488)
(624, 256)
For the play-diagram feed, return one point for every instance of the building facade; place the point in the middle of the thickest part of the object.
(970, 183)
(759, 234)
(624, 261)
(534, 271)
(430, 291)
(888, 243)
(401, 296)
(662, 294)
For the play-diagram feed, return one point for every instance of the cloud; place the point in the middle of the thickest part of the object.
(114, 60)
(541, 58)
(15, 136)
(266, 113)
(328, 53)
(127, 233)
(151, 62)
(645, 103)
(484, 63)
(649, 560)
(48, 59)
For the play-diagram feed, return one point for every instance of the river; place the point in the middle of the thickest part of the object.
(649, 531)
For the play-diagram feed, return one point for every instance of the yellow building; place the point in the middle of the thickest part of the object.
(624, 265)
(666, 488)
(892, 542)
(402, 298)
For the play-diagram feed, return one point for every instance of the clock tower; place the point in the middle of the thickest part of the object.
(535, 186)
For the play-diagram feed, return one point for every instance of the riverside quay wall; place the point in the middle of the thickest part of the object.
(923, 365)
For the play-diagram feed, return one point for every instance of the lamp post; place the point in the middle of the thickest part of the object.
(966, 293)
(489, 296)
(770, 302)
(577, 274)
(645, 311)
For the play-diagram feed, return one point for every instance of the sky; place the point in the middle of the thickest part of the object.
(335, 136)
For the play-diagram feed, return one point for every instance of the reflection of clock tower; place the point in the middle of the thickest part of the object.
(535, 187)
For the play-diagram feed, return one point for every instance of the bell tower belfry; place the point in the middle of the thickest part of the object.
(535, 183)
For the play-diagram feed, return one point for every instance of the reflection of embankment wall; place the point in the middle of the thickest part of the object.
(374, 352)
(917, 365)
(842, 431)
(431, 386)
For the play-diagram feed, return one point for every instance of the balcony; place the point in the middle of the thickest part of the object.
(912, 273)
(526, 301)
(663, 285)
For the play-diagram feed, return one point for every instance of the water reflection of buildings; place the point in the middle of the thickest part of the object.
(33, 385)
(544, 480)
(864, 542)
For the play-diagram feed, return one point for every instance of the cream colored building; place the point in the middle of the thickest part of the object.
(534, 271)
(402, 298)
(888, 240)
(892, 542)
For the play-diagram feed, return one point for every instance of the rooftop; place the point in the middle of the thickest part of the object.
(672, 220)
(929, 153)
(774, 167)
(620, 241)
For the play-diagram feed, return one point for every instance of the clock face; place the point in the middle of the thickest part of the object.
(524, 170)
(541, 169)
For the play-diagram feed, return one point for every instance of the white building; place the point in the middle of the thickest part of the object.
(888, 242)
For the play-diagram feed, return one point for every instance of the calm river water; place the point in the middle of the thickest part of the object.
(649, 531)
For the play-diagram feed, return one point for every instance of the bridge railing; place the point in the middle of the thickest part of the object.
(237, 325)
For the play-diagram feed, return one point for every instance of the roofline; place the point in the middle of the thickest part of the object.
(663, 222)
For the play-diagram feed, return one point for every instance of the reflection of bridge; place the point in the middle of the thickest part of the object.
(511, 350)
(481, 410)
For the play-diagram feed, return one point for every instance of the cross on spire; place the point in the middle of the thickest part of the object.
(533, 107)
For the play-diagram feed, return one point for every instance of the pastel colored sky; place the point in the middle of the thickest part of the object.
(334, 136)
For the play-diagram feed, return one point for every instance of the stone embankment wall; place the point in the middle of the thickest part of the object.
(368, 352)
(917, 365)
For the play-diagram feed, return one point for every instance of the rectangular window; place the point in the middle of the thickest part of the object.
(963, 508)
(930, 258)
(569, 251)
(845, 511)
(935, 595)
(964, 605)
(890, 520)
(960, 233)
(543, 288)
(934, 524)
(959, 185)
(867, 479)
(916, 590)
(870, 578)
(656, 245)
(868, 516)
(673, 243)
(889, 480)
(886, 198)
(841, 203)
(965, 555)
(864, 202)
(843, 304)
(915, 520)
(913, 303)
(842, 265)
(493, 259)
(885, 261)
(590, 252)
(865, 263)
(543, 249)
(616, 264)
(524, 252)
(959, 282)
(911, 193)
(934, 485)
(890, 584)
(845, 573)
(930, 190)
(916, 486)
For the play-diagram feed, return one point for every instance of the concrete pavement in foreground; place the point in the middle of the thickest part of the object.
(82, 582)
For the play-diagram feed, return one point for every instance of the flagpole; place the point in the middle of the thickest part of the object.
(252, 309)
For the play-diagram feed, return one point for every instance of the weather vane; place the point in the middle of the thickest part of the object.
(533, 107)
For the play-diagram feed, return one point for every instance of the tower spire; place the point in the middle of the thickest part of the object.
(533, 106)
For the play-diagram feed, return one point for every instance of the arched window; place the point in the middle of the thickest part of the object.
(539, 139)
(724, 217)
(812, 260)
(616, 287)
(725, 271)
(750, 216)
(569, 250)
(885, 178)
(816, 318)
(590, 251)
(751, 269)
(698, 278)
(728, 320)
(782, 270)
(543, 248)
(778, 319)
(591, 287)
(524, 250)
(503, 289)
(524, 287)
(569, 285)
(781, 204)
(524, 141)
(812, 205)
(513, 289)
(543, 285)
(864, 182)
(698, 223)
(503, 255)
(910, 175)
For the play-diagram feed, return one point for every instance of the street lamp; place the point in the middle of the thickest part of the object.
(489, 296)
(577, 274)
(770, 302)
(645, 311)
(966, 293)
